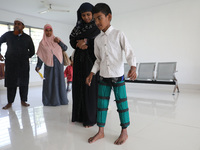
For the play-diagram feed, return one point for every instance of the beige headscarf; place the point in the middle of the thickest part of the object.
(47, 48)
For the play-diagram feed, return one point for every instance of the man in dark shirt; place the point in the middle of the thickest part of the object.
(20, 48)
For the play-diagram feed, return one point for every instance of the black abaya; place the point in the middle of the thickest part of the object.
(84, 97)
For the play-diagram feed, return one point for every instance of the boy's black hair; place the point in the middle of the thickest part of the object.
(102, 7)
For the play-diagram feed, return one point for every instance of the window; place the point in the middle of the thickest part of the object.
(35, 33)
(3, 29)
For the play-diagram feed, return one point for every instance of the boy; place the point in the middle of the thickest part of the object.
(108, 48)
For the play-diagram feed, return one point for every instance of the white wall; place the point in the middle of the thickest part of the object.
(61, 30)
(166, 33)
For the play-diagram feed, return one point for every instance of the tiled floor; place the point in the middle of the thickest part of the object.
(159, 121)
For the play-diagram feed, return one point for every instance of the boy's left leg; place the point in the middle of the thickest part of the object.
(122, 105)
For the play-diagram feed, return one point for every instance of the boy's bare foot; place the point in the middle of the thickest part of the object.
(122, 138)
(7, 106)
(98, 136)
(25, 104)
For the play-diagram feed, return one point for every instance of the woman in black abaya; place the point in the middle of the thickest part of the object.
(82, 40)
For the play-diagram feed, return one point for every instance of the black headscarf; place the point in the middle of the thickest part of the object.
(83, 29)
(83, 8)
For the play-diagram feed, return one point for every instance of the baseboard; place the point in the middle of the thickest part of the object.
(163, 86)
(190, 86)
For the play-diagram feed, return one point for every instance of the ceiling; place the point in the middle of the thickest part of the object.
(33, 7)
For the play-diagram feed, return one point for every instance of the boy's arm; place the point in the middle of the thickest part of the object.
(129, 52)
(89, 79)
(96, 65)
(130, 56)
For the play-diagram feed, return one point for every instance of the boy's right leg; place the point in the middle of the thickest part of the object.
(104, 90)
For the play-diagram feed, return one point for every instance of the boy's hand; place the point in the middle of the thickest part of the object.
(132, 73)
(89, 79)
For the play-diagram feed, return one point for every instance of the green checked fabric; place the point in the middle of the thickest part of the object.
(121, 100)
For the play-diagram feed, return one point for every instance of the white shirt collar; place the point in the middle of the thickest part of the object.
(107, 31)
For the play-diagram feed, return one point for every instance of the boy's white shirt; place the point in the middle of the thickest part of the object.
(108, 49)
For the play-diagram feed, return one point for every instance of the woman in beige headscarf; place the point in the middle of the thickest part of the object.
(50, 53)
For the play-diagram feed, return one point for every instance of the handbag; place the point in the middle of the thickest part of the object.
(66, 60)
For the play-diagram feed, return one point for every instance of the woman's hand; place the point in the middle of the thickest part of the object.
(1, 58)
(84, 47)
(37, 69)
(56, 40)
(82, 44)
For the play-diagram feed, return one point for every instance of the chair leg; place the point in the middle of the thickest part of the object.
(176, 87)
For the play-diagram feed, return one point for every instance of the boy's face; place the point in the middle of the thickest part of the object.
(102, 21)
(87, 16)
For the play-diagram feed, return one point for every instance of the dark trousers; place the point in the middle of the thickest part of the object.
(11, 92)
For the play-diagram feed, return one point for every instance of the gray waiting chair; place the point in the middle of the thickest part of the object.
(165, 72)
(146, 71)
